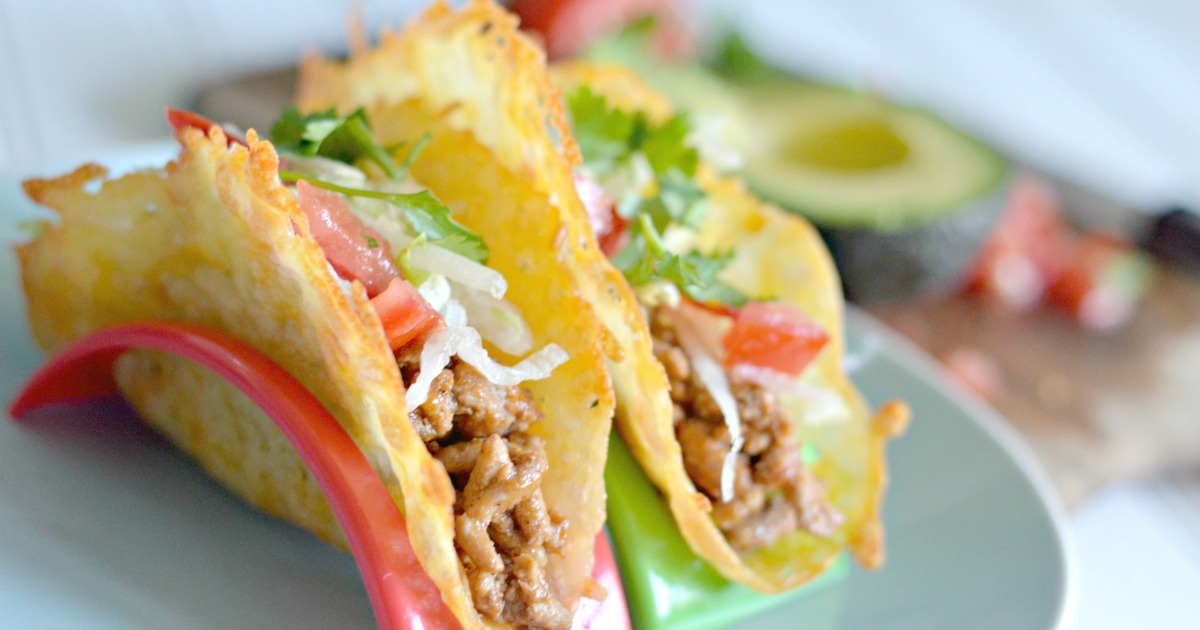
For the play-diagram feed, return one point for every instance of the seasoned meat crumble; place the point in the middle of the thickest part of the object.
(773, 493)
(503, 530)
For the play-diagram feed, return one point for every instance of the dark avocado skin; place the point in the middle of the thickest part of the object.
(923, 260)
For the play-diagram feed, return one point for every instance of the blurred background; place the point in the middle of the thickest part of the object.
(1089, 105)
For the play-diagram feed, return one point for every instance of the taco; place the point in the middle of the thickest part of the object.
(733, 396)
(415, 290)
(699, 263)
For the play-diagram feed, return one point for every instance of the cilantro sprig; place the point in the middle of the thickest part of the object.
(429, 217)
(345, 139)
(348, 139)
(610, 138)
(646, 258)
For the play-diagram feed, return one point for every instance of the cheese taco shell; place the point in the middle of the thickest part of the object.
(774, 254)
(479, 87)
(215, 239)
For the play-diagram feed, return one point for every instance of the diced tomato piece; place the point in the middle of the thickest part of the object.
(568, 26)
(607, 224)
(1024, 251)
(182, 119)
(774, 335)
(355, 251)
(1103, 281)
(405, 314)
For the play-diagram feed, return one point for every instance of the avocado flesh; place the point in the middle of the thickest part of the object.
(850, 146)
(848, 160)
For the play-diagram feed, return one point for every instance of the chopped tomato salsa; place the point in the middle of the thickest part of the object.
(775, 336)
(1102, 282)
(1024, 251)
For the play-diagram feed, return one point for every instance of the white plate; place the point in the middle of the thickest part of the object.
(104, 525)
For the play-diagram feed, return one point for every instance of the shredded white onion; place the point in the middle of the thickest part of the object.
(458, 268)
(436, 291)
(454, 313)
(712, 374)
(499, 321)
(466, 343)
(435, 356)
(534, 367)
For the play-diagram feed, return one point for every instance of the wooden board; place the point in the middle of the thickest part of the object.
(1096, 408)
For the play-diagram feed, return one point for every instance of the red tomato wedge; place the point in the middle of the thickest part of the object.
(405, 314)
(355, 251)
(182, 119)
(773, 335)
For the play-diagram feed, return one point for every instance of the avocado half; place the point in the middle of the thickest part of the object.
(903, 198)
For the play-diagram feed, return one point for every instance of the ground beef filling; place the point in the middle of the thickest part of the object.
(503, 531)
(774, 494)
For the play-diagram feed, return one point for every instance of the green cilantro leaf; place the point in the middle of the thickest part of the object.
(682, 198)
(412, 155)
(327, 135)
(608, 136)
(665, 149)
(431, 217)
(645, 258)
(603, 133)
(428, 216)
(698, 273)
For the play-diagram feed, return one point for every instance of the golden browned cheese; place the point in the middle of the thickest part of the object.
(779, 255)
(481, 90)
(215, 239)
